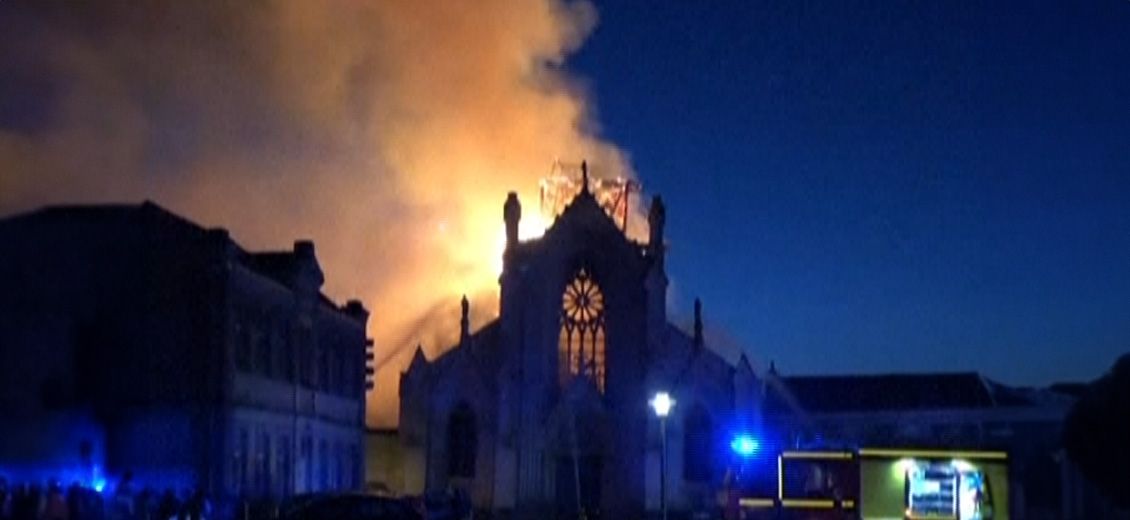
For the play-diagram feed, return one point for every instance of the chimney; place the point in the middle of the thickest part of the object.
(356, 310)
(307, 267)
(304, 248)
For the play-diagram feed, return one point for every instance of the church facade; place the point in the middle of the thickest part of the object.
(545, 410)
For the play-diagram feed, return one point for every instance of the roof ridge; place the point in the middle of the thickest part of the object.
(883, 374)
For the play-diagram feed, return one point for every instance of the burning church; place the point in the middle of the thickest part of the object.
(545, 408)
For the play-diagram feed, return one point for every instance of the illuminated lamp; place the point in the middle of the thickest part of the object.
(745, 445)
(97, 479)
(662, 404)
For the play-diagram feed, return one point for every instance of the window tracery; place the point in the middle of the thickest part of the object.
(582, 335)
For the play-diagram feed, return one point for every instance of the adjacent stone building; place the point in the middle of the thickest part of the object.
(545, 409)
(133, 340)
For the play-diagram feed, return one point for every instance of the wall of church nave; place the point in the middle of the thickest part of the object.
(695, 466)
(457, 459)
(681, 494)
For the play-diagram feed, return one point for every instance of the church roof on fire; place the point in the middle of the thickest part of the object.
(583, 216)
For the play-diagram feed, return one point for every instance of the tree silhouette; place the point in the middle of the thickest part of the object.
(1096, 433)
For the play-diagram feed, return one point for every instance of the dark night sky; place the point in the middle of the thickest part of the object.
(886, 186)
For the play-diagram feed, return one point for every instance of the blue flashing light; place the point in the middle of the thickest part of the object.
(745, 445)
(97, 479)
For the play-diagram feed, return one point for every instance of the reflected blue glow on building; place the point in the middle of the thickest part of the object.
(135, 341)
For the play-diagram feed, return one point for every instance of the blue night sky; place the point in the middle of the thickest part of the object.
(885, 186)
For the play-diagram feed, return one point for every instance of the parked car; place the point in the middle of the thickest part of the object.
(348, 507)
(442, 505)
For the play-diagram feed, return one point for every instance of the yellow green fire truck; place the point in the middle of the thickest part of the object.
(870, 483)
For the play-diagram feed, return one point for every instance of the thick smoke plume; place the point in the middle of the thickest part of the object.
(389, 132)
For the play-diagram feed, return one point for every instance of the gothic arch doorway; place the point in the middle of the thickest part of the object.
(579, 447)
(462, 442)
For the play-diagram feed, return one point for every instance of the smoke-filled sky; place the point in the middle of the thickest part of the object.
(389, 132)
(851, 186)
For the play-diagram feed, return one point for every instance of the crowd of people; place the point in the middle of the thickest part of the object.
(34, 501)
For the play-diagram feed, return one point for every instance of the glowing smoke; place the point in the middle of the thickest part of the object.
(389, 132)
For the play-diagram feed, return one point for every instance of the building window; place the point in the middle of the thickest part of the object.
(242, 339)
(262, 339)
(348, 386)
(354, 465)
(319, 369)
(339, 475)
(278, 350)
(581, 344)
(329, 385)
(263, 461)
(305, 347)
(308, 461)
(323, 465)
(698, 445)
(241, 455)
(462, 442)
(285, 477)
(286, 343)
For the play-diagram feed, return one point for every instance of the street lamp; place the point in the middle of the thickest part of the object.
(662, 404)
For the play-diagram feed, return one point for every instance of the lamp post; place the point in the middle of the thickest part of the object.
(662, 404)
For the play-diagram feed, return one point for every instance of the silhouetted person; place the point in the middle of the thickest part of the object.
(35, 500)
(461, 504)
(25, 505)
(55, 504)
(75, 501)
(168, 507)
(94, 505)
(5, 500)
(197, 507)
(145, 504)
(122, 505)
(18, 504)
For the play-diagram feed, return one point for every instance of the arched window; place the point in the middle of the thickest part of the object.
(581, 344)
(462, 442)
(698, 445)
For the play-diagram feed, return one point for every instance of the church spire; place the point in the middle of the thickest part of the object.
(464, 322)
(419, 359)
(511, 214)
(697, 322)
(584, 176)
(656, 220)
